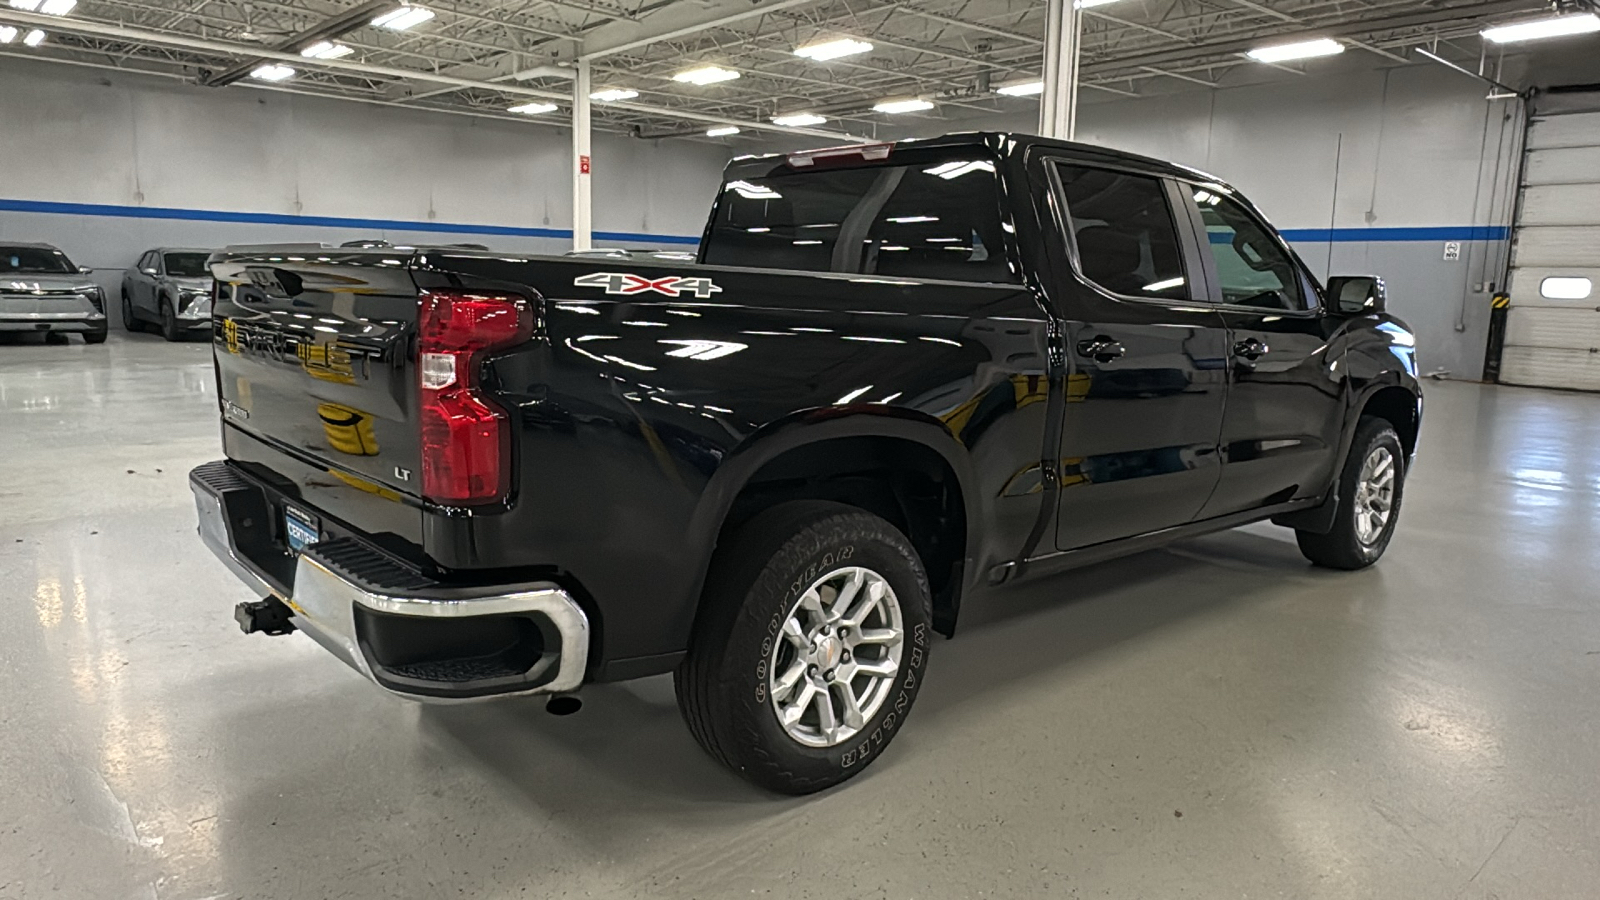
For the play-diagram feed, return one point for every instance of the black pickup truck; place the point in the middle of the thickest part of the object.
(896, 379)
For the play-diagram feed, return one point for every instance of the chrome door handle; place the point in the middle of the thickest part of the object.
(1250, 349)
(1100, 348)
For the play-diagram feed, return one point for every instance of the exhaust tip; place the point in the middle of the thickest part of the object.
(563, 705)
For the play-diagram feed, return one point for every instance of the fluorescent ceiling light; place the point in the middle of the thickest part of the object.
(958, 168)
(703, 349)
(1300, 50)
(536, 108)
(706, 75)
(403, 18)
(34, 38)
(48, 7)
(1086, 4)
(807, 243)
(799, 120)
(826, 50)
(1555, 26)
(722, 131)
(909, 220)
(326, 50)
(1164, 285)
(612, 95)
(272, 72)
(1025, 89)
(753, 191)
(894, 107)
(7, 34)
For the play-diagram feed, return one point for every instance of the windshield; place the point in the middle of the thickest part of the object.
(187, 265)
(35, 261)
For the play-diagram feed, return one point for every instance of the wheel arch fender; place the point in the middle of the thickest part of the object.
(1395, 396)
(812, 428)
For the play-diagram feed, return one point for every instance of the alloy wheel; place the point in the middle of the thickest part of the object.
(1374, 501)
(838, 656)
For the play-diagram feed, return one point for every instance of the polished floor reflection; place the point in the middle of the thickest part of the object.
(1216, 719)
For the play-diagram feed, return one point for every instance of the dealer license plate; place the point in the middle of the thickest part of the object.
(300, 528)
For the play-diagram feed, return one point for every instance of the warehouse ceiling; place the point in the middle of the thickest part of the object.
(481, 57)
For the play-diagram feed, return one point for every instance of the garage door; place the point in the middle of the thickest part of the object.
(1553, 329)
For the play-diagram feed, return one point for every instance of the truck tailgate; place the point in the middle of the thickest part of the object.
(314, 367)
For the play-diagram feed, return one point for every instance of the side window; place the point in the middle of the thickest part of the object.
(1252, 268)
(1122, 223)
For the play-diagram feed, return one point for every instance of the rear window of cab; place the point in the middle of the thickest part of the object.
(936, 220)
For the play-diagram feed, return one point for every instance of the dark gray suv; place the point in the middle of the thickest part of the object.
(169, 287)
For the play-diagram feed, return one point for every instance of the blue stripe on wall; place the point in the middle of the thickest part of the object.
(1424, 233)
(210, 215)
(1307, 235)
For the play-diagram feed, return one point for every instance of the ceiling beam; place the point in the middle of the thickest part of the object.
(336, 26)
(1285, 17)
(596, 46)
(972, 26)
(1233, 46)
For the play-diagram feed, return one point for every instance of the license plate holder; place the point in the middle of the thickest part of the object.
(300, 529)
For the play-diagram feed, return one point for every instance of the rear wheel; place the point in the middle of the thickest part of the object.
(96, 337)
(169, 322)
(810, 646)
(1369, 501)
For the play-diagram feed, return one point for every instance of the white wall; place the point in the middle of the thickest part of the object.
(70, 135)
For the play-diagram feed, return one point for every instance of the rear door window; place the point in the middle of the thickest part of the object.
(937, 220)
(1126, 237)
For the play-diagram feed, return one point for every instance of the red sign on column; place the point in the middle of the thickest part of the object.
(583, 165)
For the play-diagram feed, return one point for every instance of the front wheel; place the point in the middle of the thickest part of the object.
(129, 320)
(810, 647)
(169, 322)
(1369, 501)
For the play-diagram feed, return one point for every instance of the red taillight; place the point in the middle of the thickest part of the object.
(466, 442)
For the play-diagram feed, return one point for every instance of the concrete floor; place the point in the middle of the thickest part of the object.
(1212, 720)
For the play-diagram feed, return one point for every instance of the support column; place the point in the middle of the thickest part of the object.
(582, 200)
(1058, 105)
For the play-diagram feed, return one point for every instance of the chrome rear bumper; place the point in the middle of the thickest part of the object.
(348, 617)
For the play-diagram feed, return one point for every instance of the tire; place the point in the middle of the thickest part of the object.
(1354, 544)
(788, 562)
(169, 322)
(96, 337)
(130, 321)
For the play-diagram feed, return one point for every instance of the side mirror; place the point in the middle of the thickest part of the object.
(1354, 295)
(148, 270)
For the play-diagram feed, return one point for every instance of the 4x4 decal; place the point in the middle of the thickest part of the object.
(629, 283)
